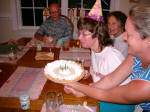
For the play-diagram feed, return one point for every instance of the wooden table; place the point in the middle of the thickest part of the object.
(13, 105)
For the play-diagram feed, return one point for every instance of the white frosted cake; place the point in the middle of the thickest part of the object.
(63, 71)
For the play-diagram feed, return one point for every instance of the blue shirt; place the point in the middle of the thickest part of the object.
(141, 74)
(62, 29)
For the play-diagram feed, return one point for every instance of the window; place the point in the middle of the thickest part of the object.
(28, 14)
(88, 4)
(32, 11)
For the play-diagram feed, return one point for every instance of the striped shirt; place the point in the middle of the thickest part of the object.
(141, 74)
(62, 29)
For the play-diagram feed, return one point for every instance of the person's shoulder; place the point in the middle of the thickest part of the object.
(48, 20)
(110, 49)
(112, 53)
(111, 59)
(64, 19)
(120, 37)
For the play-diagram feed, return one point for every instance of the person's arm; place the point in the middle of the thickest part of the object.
(41, 33)
(136, 91)
(43, 38)
(39, 37)
(46, 39)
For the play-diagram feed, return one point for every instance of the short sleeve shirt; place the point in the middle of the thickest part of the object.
(139, 73)
(105, 62)
(62, 29)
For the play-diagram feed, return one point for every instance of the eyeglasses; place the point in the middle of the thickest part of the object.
(54, 12)
(85, 33)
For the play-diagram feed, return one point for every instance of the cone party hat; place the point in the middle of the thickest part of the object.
(96, 12)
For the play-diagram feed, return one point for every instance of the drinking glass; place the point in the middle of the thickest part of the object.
(12, 54)
(52, 101)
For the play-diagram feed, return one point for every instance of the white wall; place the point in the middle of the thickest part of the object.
(125, 6)
(6, 30)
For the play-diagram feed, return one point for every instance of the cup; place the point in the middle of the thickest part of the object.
(25, 101)
(78, 44)
(38, 47)
(53, 102)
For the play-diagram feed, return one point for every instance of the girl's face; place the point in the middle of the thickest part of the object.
(114, 26)
(86, 39)
(136, 45)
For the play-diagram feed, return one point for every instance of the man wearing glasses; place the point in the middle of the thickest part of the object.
(56, 29)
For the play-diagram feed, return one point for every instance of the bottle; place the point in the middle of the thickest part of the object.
(12, 54)
(38, 47)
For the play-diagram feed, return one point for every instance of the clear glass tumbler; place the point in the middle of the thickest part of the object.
(53, 101)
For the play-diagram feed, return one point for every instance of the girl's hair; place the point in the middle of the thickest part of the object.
(120, 17)
(140, 16)
(98, 29)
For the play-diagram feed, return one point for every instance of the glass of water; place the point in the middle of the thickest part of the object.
(52, 101)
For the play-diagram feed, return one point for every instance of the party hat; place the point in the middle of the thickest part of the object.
(96, 12)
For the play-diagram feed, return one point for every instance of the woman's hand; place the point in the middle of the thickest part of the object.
(47, 39)
(50, 41)
(68, 89)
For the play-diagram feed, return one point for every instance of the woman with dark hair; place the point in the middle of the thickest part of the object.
(116, 25)
(105, 58)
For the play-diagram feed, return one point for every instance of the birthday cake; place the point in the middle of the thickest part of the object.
(63, 71)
